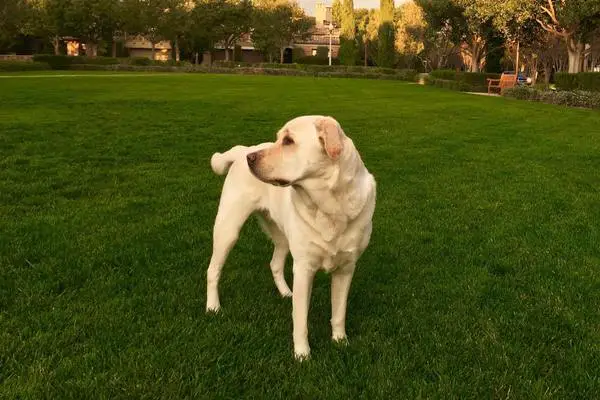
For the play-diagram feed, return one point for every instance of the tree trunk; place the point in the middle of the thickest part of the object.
(366, 53)
(176, 46)
(518, 56)
(114, 49)
(153, 49)
(196, 56)
(281, 51)
(547, 72)
(576, 51)
(91, 49)
(56, 44)
(534, 70)
(477, 47)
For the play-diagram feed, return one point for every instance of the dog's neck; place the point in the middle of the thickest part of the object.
(333, 200)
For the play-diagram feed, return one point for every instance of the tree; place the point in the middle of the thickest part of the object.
(13, 19)
(277, 24)
(337, 12)
(176, 22)
(366, 24)
(93, 21)
(200, 36)
(146, 18)
(410, 32)
(348, 50)
(573, 21)
(386, 53)
(233, 19)
(53, 22)
(514, 19)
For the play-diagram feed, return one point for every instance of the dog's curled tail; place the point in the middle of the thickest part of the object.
(221, 162)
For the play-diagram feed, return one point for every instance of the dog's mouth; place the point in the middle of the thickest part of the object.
(279, 182)
(274, 182)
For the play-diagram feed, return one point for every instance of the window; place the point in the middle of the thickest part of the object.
(314, 52)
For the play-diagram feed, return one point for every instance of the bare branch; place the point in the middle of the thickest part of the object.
(551, 14)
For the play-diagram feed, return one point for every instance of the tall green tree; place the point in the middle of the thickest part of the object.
(366, 24)
(573, 21)
(53, 21)
(200, 36)
(234, 19)
(337, 12)
(93, 21)
(410, 32)
(176, 24)
(467, 25)
(348, 45)
(386, 52)
(277, 24)
(13, 21)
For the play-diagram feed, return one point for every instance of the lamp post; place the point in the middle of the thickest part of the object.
(330, 33)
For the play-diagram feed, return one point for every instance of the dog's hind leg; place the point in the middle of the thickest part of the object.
(233, 211)
(280, 253)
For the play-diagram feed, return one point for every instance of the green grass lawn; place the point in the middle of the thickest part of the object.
(482, 279)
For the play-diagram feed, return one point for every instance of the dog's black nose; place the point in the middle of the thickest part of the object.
(252, 157)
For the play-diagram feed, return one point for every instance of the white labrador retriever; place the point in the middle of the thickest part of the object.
(314, 197)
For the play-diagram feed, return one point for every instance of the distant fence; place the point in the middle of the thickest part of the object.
(14, 57)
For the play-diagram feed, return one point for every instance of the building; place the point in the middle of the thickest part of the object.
(138, 46)
(323, 14)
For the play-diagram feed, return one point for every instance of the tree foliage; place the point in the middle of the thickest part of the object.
(276, 24)
(386, 52)
(348, 45)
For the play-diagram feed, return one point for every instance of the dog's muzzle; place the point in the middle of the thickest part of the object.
(252, 160)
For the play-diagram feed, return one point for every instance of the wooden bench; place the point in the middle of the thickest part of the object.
(506, 81)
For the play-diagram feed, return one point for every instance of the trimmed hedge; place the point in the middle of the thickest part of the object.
(67, 62)
(402, 75)
(575, 98)
(317, 60)
(55, 62)
(16, 66)
(230, 64)
(588, 81)
(448, 84)
(476, 81)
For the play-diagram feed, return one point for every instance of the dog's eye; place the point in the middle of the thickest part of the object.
(287, 141)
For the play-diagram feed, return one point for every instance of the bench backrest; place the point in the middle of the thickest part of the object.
(507, 80)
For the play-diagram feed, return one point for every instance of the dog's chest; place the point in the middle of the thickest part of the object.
(337, 260)
(344, 250)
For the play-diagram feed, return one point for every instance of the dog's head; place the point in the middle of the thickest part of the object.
(306, 147)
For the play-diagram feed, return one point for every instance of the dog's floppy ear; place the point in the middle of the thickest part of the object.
(330, 135)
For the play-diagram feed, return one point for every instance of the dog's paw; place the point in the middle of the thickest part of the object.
(213, 308)
(341, 341)
(302, 354)
(286, 294)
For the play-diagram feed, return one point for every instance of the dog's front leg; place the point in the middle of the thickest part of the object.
(303, 281)
(340, 287)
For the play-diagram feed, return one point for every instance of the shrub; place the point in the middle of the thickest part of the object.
(476, 81)
(448, 84)
(94, 60)
(316, 60)
(570, 98)
(16, 66)
(322, 52)
(308, 70)
(230, 64)
(140, 61)
(446, 74)
(589, 81)
(55, 61)
(297, 53)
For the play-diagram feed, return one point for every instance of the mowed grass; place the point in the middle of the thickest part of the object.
(482, 279)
